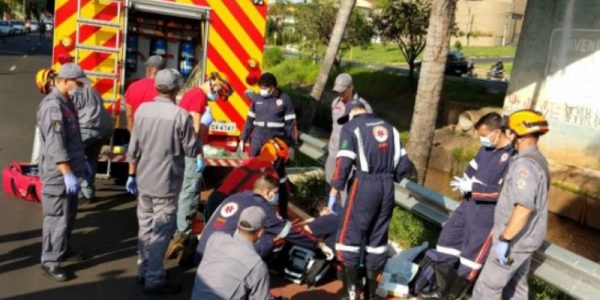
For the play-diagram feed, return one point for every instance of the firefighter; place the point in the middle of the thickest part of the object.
(344, 87)
(373, 147)
(143, 90)
(62, 165)
(465, 237)
(520, 220)
(271, 160)
(271, 115)
(264, 194)
(163, 135)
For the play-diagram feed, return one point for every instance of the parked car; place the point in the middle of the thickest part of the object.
(35, 26)
(18, 26)
(6, 29)
(456, 64)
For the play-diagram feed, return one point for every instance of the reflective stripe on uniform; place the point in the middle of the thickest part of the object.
(402, 152)
(251, 114)
(347, 153)
(289, 117)
(473, 164)
(364, 166)
(259, 123)
(286, 230)
(397, 147)
(346, 248)
(275, 125)
(377, 250)
(469, 263)
(447, 250)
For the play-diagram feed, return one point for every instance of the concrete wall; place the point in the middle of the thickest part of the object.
(491, 20)
(557, 71)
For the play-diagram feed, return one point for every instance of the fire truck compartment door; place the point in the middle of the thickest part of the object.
(171, 8)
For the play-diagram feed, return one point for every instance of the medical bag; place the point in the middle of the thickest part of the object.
(21, 180)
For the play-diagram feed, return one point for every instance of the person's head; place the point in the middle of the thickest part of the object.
(70, 80)
(154, 64)
(267, 186)
(267, 84)
(525, 128)
(252, 223)
(353, 109)
(273, 150)
(215, 85)
(343, 86)
(491, 130)
(168, 82)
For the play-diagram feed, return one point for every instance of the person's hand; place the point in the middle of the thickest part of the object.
(207, 117)
(464, 184)
(501, 250)
(71, 184)
(200, 164)
(328, 252)
(240, 149)
(291, 153)
(131, 185)
(89, 172)
(331, 203)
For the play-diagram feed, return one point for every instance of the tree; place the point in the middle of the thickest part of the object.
(430, 84)
(405, 24)
(315, 22)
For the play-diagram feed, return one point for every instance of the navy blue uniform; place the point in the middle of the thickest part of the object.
(226, 218)
(270, 117)
(466, 235)
(325, 228)
(373, 147)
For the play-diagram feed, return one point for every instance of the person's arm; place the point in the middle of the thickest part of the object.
(258, 282)
(524, 185)
(196, 122)
(129, 115)
(473, 164)
(134, 153)
(52, 126)
(249, 126)
(401, 160)
(189, 139)
(518, 220)
(289, 118)
(345, 160)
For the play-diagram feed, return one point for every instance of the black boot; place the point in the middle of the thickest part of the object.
(352, 280)
(372, 284)
(458, 288)
(443, 277)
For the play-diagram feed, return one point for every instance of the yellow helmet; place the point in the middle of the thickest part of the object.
(43, 80)
(273, 149)
(527, 121)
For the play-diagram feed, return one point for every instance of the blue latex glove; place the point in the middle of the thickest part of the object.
(71, 183)
(207, 117)
(131, 185)
(501, 250)
(89, 173)
(331, 204)
(200, 164)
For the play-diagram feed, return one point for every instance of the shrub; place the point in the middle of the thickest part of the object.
(272, 57)
(408, 230)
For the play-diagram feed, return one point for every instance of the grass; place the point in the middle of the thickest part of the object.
(539, 290)
(409, 231)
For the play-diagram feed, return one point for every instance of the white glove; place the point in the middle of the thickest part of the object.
(240, 149)
(207, 117)
(326, 251)
(464, 184)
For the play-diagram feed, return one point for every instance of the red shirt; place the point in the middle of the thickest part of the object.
(243, 177)
(194, 100)
(139, 92)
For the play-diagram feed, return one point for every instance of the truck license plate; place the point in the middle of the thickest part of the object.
(223, 127)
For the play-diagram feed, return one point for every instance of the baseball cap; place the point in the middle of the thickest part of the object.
(156, 61)
(342, 82)
(351, 105)
(72, 71)
(252, 218)
(168, 78)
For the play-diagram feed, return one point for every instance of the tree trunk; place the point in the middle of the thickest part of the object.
(344, 12)
(431, 79)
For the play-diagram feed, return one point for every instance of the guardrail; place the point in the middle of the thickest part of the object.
(571, 273)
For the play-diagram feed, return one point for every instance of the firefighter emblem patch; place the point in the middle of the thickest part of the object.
(380, 133)
(504, 157)
(229, 209)
(279, 102)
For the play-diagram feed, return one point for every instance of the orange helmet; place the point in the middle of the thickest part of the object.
(273, 149)
(43, 80)
(527, 121)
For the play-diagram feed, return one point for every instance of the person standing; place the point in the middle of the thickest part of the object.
(143, 90)
(344, 87)
(42, 30)
(465, 237)
(521, 215)
(163, 135)
(231, 268)
(374, 148)
(96, 126)
(62, 165)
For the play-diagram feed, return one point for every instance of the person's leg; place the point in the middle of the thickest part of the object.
(214, 200)
(494, 276)
(54, 227)
(163, 227)
(188, 197)
(71, 212)
(478, 239)
(517, 287)
(449, 242)
(145, 216)
(93, 146)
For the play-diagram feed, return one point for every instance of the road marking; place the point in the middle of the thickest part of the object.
(25, 56)
(13, 68)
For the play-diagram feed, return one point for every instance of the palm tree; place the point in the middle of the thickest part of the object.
(431, 80)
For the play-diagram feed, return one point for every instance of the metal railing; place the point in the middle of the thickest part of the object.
(569, 272)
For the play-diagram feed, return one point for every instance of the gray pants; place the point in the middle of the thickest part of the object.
(60, 212)
(93, 145)
(156, 218)
(189, 196)
(497, 280)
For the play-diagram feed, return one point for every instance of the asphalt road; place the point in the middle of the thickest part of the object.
(106, 229)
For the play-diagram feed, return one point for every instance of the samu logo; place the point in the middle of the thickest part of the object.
(259, 2)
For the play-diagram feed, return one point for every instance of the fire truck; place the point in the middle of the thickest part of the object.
(111, 39)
